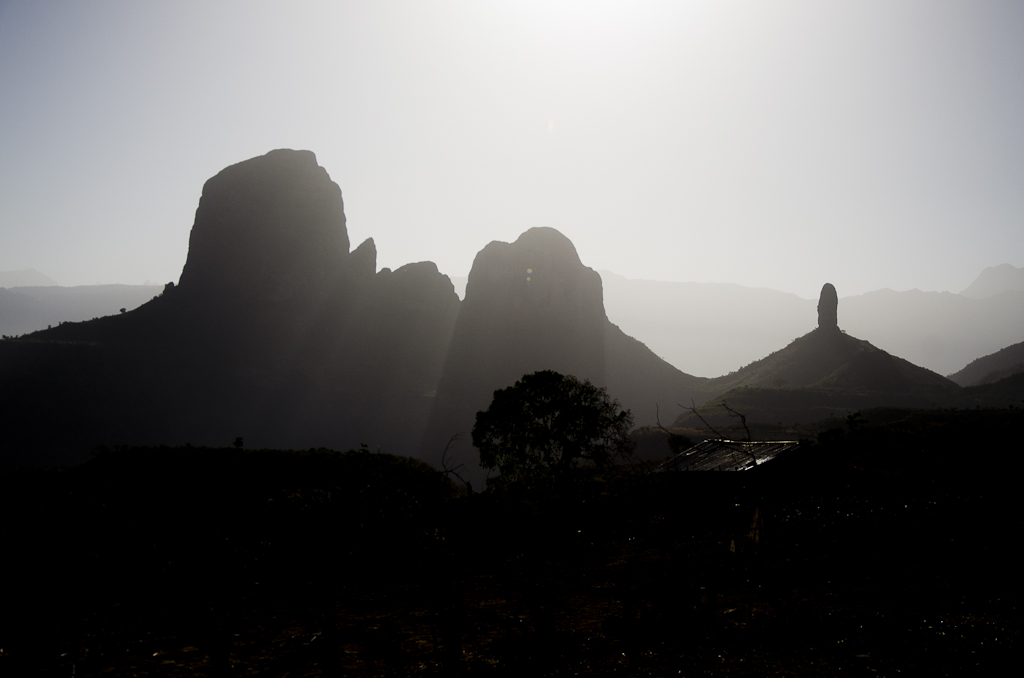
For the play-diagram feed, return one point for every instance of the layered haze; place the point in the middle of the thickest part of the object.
(710, 329)
(278, 329)
(873, 145)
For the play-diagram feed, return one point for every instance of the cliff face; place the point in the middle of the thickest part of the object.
(272, 227)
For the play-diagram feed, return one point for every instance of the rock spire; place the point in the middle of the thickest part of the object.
(828, 305)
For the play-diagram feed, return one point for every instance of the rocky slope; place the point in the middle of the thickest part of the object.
(821, 373)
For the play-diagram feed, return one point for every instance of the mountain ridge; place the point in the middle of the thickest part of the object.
(993, 367)
(705, 328)
(996, 280)
(820, 372)
(278, 333)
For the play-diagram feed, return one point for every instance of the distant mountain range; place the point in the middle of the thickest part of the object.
(828, 373)
(27, 309)
(711, 329)
(281, 334)
(700, 328)
(992, 368)
(996, 280)
(28, 277)
(819, 374)
(278, 333)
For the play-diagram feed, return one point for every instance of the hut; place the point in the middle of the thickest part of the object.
(726, 455)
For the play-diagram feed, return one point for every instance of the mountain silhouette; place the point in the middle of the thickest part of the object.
(707, 328)
(275, 333)
(821, 373)
(533, 305)
(993, 367)
(28, 277)
(938, 330)
(279, 334)
(996, 280)
(28, 309)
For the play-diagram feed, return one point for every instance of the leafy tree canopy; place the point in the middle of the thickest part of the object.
(545, 424)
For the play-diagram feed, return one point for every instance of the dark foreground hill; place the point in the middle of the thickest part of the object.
(884, 550)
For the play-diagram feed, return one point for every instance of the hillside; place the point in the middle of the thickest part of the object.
(937, 330)
(821, 373)
(28, 309)
(992, 368)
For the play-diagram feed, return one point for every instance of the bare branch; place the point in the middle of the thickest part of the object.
(742, 417)
(732, 412)
(676, 442)
(447, 470)
(657, 418)
(693, 409)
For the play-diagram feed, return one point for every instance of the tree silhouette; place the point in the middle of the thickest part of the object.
(546, 424)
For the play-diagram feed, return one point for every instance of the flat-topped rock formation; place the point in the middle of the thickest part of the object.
(272, 226)
(275, 333)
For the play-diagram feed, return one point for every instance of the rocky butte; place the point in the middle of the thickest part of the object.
(277, 333)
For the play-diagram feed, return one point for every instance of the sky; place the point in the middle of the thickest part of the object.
(871, 144)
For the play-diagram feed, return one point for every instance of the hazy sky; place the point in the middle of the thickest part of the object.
(770, 144)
